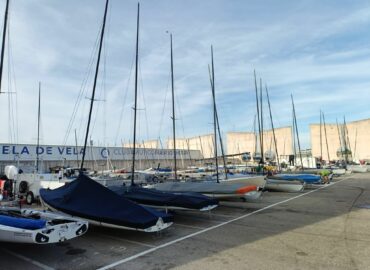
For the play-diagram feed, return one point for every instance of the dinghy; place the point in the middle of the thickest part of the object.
(164, 199)
(357, 168)
(258, 181)
(87, 199)
(38, 227)
(211, 189)
(307, 178)
(284, 185)
(339, 171)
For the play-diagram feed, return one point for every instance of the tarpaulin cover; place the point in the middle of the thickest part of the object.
(308, 178)
(88, 199)
(162, 198)
(22, 223)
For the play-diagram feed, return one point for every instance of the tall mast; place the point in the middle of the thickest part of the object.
(135, 105)
(261, 111)
(258, 110)
(346, 132)
(273, 129)
(76, 148)
(38, 131)
(94, 86)
(218, 128)
(346, 138)
(173, 114)
(294, 138)
(340, 141)
(326, 137)
(320, 135)
(354, 151)
(296, 129)
(3, 41)
(214, 114)
(255, 134)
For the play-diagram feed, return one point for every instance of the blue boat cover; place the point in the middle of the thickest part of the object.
(88, 199)
(308, 178)
(162, 198)
(22, 223)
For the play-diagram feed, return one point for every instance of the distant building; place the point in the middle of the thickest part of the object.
(355, 137)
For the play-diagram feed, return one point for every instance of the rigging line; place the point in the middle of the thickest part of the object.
(164, 103)
(3, 41)
(93, 91)
(12, 67)
(82, 90)
(144, 102)
(124, 99)
(102, 94)
(11, 123)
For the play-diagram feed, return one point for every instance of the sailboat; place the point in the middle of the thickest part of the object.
(218, 189)
(29, 225)
(152, 197)
(91, 201)
(301, 176)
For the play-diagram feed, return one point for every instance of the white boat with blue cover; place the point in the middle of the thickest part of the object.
(38, 227)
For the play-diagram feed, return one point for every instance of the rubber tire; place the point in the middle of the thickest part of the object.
(23, 187)
(30, 198)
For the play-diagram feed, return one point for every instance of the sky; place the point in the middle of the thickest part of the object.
(318, 51)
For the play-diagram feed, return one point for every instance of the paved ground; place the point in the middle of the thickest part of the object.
(324, 228)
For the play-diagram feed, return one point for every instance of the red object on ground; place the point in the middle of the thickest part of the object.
(246, 189)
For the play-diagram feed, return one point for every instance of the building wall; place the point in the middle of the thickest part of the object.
(358, 135)
(144, 144)
(239, 142)
(203, 143)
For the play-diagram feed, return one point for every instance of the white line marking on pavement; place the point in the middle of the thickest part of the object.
(209, 229)
(42, 266)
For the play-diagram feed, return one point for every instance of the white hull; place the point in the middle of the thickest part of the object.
(252, 196)
(358, 168)
(258, 181)
(70, 228)
(339, 171)
(284, 186)
(160, 225)
(174, 208)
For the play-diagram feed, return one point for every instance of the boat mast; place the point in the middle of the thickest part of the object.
(326, 137)
(320, 135)
(258, 110)
(135, 105)
(296, 129)
(76, 148)
(218, 128)
(94, 86)
(340, 141)
(354, 151)
(347, 136)
(3, 41)
(273, 129)
(173, 113)
(214, 114)
(261, 111)
(255, 134)
(38, 131)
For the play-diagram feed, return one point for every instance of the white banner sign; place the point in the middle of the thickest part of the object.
(13, 152)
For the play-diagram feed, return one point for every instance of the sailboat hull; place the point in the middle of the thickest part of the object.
(59, 228)
(209, 188)
(284, 185)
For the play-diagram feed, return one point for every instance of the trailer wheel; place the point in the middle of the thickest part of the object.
(23, 186)
(30, 198)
